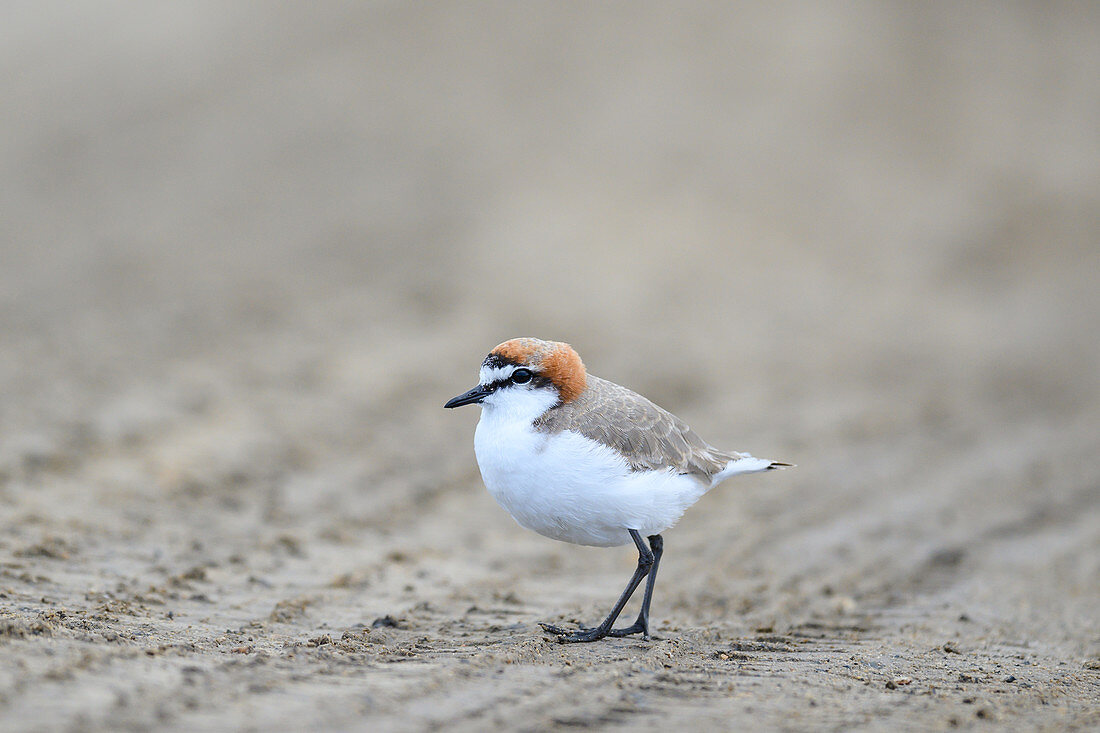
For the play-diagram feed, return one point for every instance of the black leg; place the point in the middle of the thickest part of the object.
(641, 624)
(645, 562)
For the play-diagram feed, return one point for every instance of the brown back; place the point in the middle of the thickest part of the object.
(647, 436)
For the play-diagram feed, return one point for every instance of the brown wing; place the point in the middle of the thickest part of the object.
(647, 436)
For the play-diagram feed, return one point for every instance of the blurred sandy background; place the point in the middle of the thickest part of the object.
(247, 250)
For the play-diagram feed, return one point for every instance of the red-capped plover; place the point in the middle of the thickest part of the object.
(580, 459)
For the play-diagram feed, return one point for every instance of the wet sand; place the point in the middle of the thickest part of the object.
(247, 254)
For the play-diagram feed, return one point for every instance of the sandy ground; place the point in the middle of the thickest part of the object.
(247, 251)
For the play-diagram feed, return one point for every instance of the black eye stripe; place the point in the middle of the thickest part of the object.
(536, 381)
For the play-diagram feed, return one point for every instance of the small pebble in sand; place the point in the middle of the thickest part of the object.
(386, 621)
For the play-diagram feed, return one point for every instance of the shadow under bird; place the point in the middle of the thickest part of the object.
(580, 459)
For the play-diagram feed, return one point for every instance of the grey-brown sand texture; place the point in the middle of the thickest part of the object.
(248, 251)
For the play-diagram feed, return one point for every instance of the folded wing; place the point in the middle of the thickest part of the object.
(647, 436)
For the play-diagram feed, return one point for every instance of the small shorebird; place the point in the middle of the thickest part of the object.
(580, 459)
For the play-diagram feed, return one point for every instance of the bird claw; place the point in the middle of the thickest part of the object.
(565, 636)
(584, 635)
(629, 630)
(595, 633)
(555, 630)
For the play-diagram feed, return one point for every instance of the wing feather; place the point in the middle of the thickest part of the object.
(647, 436)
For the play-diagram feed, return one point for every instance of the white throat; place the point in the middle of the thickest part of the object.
(517, 405)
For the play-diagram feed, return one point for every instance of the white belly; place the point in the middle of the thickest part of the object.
(573, 489)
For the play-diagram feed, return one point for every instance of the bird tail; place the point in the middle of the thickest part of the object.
(746, 464)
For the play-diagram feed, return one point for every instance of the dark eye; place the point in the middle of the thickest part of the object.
(521, 376)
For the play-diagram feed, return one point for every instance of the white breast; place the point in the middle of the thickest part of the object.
(569, 487)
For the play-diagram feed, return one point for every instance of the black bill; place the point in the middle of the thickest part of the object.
(473, 397)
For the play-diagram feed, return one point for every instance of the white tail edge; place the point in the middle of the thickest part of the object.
(746, 464)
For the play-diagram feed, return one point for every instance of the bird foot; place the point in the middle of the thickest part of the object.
(596, 633)
(634, 628)
(565, 636)
(556, 630)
